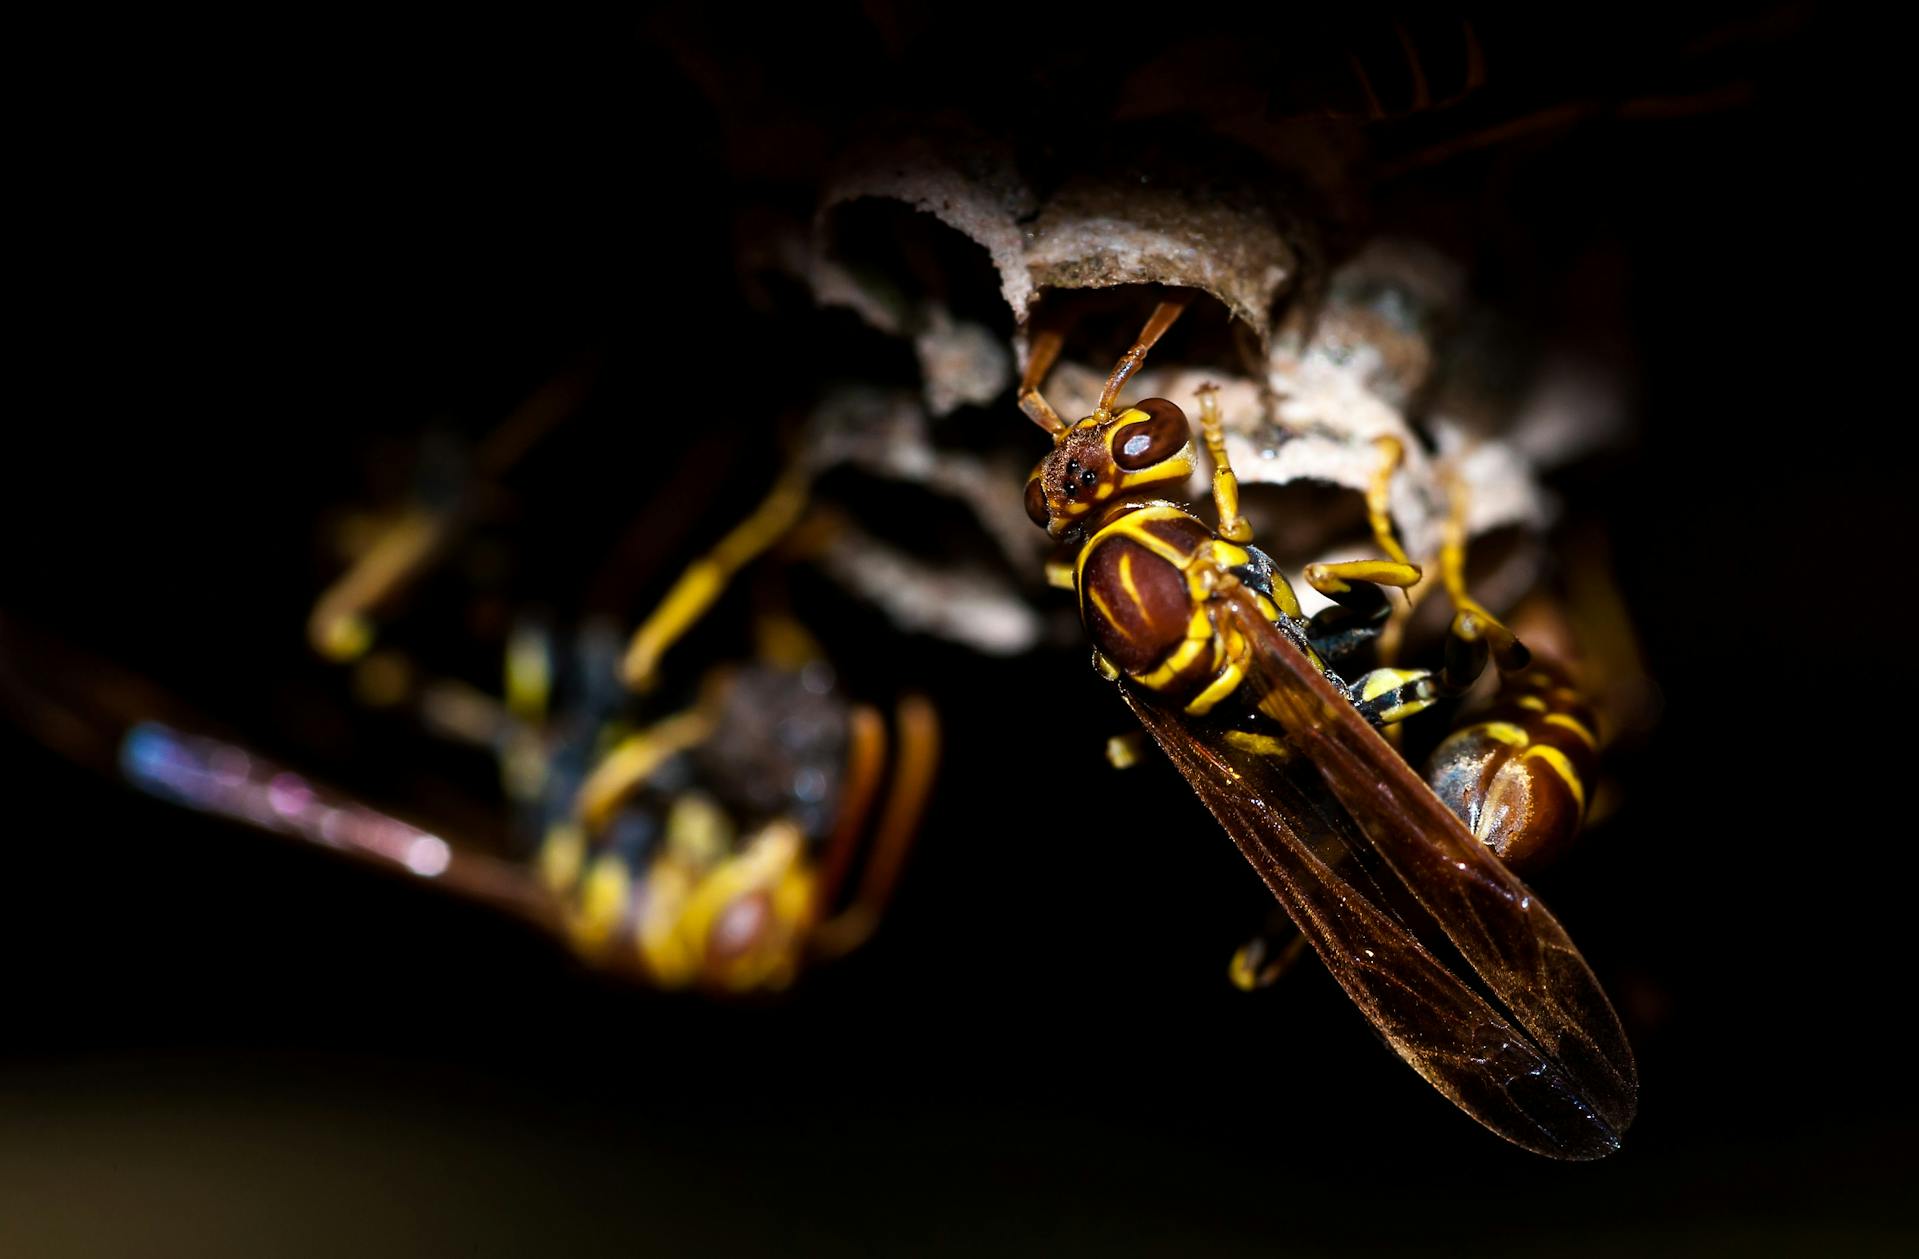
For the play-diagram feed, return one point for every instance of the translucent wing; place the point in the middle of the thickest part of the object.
(213, 776)
(119, 724)
(1552, 1072)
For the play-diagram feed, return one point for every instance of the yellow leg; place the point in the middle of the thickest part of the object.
(1378, 491)
(1262, 960)
(705, 578)
(1232, 526)
(1335, 580)
(1123, 751)
(1471, 621)
(634, 760)
(341, 625)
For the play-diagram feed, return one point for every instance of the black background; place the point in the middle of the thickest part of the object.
(256, 250)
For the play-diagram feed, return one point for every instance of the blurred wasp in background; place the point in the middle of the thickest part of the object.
(721, 843)
(1410, 911)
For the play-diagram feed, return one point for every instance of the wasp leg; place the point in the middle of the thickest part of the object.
(919, 739)
(1361, 607)
(341, 625)
(865, 757)
(705, 578)
(1264, 959)
(1476, 633)
(1232, 526)
(1164, 316)
(1124, 750)
(635, 759)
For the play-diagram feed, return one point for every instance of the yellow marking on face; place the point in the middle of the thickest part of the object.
(1575, 725)
(1532, 703)
(1561, 766)
(1173, 467)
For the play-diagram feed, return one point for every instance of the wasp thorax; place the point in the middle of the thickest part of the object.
(1146, 444)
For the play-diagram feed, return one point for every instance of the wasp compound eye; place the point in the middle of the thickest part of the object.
(1155, 439)
(1036, 509)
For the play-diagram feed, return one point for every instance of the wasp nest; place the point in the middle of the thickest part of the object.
(940, 240)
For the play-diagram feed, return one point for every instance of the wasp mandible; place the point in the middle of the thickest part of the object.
(1206, 641)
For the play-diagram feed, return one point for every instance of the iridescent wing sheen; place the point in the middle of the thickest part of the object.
(1340, 817)
(119, 724)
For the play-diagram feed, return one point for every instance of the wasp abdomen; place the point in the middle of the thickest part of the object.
(1519, 775)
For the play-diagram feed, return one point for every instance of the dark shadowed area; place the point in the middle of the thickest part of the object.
(255, 265)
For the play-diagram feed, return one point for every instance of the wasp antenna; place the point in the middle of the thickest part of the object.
(1039, 361)
(1164, 316)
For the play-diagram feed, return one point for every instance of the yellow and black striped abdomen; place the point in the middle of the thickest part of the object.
(1521, 773)
(1144, 578)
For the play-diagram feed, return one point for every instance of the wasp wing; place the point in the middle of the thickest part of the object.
(119, 724)
(212, 776)
(1337, 802)
(1509, 938)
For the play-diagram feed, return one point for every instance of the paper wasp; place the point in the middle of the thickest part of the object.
(1206, 641)
(715, 826)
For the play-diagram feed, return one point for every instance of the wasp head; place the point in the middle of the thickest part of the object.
(1104, 457)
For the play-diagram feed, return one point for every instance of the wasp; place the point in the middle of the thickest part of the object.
(1518, 769)
(1205, 639)
(724, 845)
(721, 844)
(714, 847)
